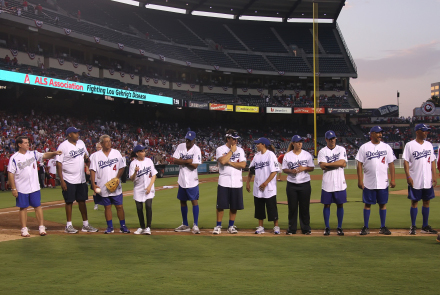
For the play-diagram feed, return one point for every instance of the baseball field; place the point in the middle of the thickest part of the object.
(168, 262)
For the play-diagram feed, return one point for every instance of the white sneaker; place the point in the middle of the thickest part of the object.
(70, 230)
(276, 230)
(232, 230)
(25, 232)
(96, 207)
(42, 230)
(195, 229)
(138, 231)
(260, 230)
(183, 228)
(217, 230)
(146, 231)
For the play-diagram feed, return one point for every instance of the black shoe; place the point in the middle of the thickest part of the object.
(412, 230)
(340, 231)
(428, 230)
(291, 232)
(327, 231)
(438, 238)
(307, 232)
(364, 231)
(385, 231)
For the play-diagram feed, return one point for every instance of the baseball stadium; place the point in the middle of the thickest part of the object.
(237, 106)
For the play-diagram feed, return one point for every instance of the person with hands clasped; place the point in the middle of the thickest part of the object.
(297, 163)
(188, 156)
(143, 175)
(23, 180)
(419, 164)
(333, 159)
(231, 161)
(373, 160)
(106, 169)
(265, 167)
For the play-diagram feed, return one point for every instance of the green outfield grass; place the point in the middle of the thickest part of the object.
(225, 264)
(101, 264)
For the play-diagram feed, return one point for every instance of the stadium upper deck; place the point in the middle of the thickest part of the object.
(206, 43)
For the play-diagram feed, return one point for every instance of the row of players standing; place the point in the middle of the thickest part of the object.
(374, 158)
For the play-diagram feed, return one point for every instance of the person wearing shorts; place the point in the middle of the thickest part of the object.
(188, 156)
(106, 165)
(419, 164)
(374, 158)
(231, 161)
(332, 159)
(70, 168)
(265, 167)
(23, 180)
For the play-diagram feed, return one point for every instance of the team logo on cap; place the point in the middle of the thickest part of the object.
(428, 108)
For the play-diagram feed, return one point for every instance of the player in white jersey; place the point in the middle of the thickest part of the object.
(106, 165)
(52, 170)
(70, 168)
(332, 159)
(374, 158)
(23, 181)
(96, 197)
(297, 163)
(265, 167)
(231, 160)
(143, 175)
(419, 164)
(188, 156)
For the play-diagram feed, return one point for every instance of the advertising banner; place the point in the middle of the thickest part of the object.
(198, 105)
(221, 107)
(247, 109)
(275, 110)
(342, 110)
(308, 110)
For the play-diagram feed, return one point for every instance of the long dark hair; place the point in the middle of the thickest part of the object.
(19, 140)
(270, 148)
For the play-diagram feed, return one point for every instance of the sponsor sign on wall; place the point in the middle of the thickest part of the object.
(274, 110)
(247, 109)
(308, 110)
(221, 107)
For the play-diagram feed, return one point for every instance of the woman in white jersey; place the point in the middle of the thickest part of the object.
(265, 164)
(143, 175)
(297, 163)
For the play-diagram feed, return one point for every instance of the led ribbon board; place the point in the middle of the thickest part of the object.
(81, 87)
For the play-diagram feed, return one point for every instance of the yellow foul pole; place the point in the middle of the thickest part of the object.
(315, 72)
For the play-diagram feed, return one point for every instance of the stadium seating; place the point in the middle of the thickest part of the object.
(248, 61)
(289, 63)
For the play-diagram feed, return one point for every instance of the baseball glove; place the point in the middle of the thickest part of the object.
(112, 185)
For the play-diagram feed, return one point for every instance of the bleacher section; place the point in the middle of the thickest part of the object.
(331, 64)
(216, 58)
(248, 61)
(258, 37)
(289, 63)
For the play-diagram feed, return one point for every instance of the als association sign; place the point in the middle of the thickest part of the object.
(81, 87)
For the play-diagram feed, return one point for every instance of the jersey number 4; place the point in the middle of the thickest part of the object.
(114, 168)
(383, 160)
(429, 160)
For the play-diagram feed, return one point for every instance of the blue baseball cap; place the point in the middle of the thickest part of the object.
(71, 129)
(263, 140)
(376, 129)
(422, 127)
(330, 134)
(138, 148)
(297, 138)
(191, 135)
